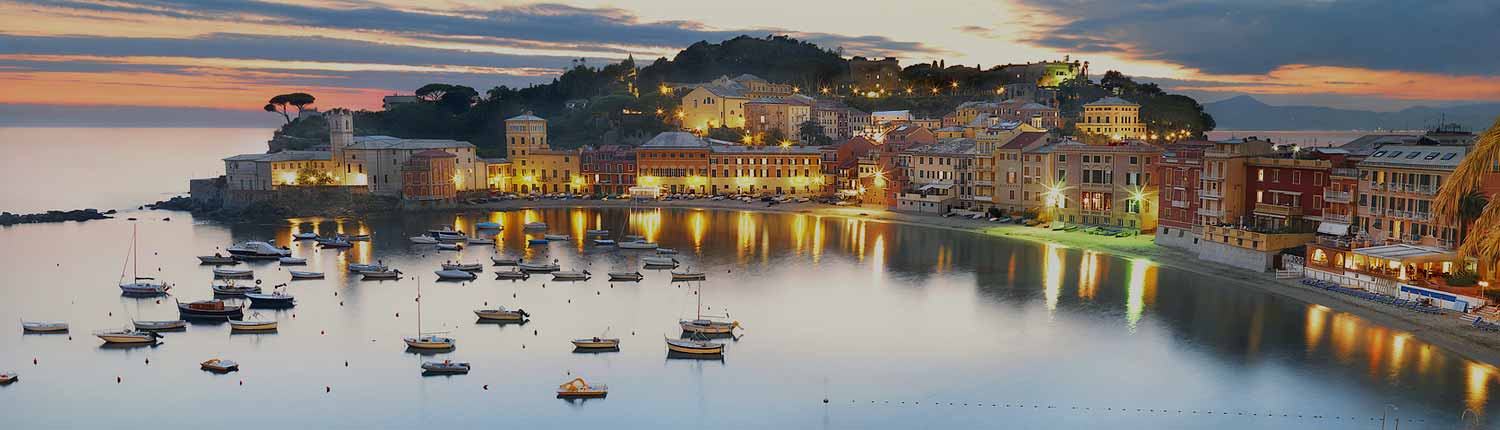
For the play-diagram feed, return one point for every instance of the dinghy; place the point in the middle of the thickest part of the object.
(481, 241)
(219, 365)
(252, 325)
(359, 268)
(604, 242)
(467, 267)
(232, 290)
(557, 237)
(209, 309)
(536, 241)
(688, 276)
(305, 236)
(445, 367)
(578, 389)
(665, 251)
(487, 225)
(159, 325)
(338, 242)
(539, 267)
(659, 262)
(505, 261)
(500, 313)
(8, 377)
(275, 299)
(626, 276)
(449, 246)
(359, 238)
(127, 336)
(43, 327)
(293, 261)
(535, 225)
(694, 347)
(423, 240)
(596, 232)
(455, 275)
(512, 274)
(297, 274)
(380, 274)
(635, 244)
(233, 273)
(571, 275)
(217, 259)
(597, 343)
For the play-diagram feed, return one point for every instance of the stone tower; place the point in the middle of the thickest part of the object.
(525, 134)
(340, 136)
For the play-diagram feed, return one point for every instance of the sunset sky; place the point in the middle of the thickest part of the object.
(1377, 55)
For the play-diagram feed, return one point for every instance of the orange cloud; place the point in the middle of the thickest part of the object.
(1307, 79)
(248, 63)
(208, 88)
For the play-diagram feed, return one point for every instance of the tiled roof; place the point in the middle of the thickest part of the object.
(1111, 101)
(387, 142)
(525, 117)
(767, 149)
(276, 157)
(951, 147)
(675, 139)
(433, 153)
(1024, 140)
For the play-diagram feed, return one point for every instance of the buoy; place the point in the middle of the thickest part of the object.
(111, 314)
(323, 332)
(148, 360)
(294, 316)
(533, 333)
(335, 293)
(825, 401)
(486, 387)
(341, 302)
(398, 315)
(570, 300)
(596, 293)
(486, 303)
(346, 363)
(327, 389)
(632, 332)
(242, 382)
(523, 346)
(118, 379)
(512, 295)
(33, 361)
(158, 301)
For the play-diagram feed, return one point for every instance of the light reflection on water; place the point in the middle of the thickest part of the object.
(880, 311)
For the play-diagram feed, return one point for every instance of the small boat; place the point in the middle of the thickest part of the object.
(536, 241)
(505, 261)
(571, 275)
(659, 262)
(293, 261)
(232, 290)
(666, 251)
(557, 237)
(596, 232)
(487, 225)
(578, 389)
(209, 309)
(445, 367)
(8, 377)
(467, 267)
(446, 234)
(689, 276)
(380, 274)
(144, 287)
(217, 259)
(449, 246)
(423, 240)
(636, 244)
(337, 242)
(252, 325)
(633, 238)
(274, 299)
(597, 343)
(219, 365)
(159, 325)
(455, 275)
(695, 347)
(257, 250)
(514, 273)
(43, 327)
(305, 236)
(539, 267)
(535, 225)
(481, 241)
(297, 274)
(429, 341)
(360, 268)
(604, 242)
(702, 325)
(127, 336)
(500, 313)
(233, 273)
(626, 276)
(359, 238)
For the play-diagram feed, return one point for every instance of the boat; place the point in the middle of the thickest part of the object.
(467, 267)
(449, 246)
(219, 365)
(360, 238)
(257, 250)
(659, 262)
(536, 241)
(446, 234)
(505, 261)
(633, 238)
(578, 389)
(535, 225)
(596, 343)
(360, 268)
(596, 232)
(445, 367)
(305, 236)
(159, 325)
(557, 237)
(571, 275)
(455, 275)
(339, 241)
(8, 377)
(229, 289)
(487, 225)
(514, 273)
(293, 261)
(665, 251)
(147, 288)
(298, 274)
(604, 242)
(500, 313)
(539, 267)
(426, 341)
(233, 273)
(694, 347)
(636, 244)
(139, 285)
(275, 299)
(423, 240)
(252, 325)
(127, 336)
(43, 327)
(626, 276)
(704, 325)
(209, 309)
(380, 274)
(688, 276)
(481, 241)
(217, 259)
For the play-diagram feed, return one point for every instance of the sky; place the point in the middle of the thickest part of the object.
(232, 55)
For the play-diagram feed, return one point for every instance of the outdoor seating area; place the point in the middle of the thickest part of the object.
(1480, 323)
(1415, 306)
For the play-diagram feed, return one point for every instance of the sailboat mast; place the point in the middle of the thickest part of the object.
(419, 308)
(700, 301)
(135, 254)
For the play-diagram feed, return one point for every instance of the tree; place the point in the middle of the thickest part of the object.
(311, 176)
(282, 103)
(1456, 200)
(812, 133)
(727, 133)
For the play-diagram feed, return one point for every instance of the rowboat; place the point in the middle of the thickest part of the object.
(487, 225)
(635, 244)
(604, 242)
(293, 261)
(626, 276)
(257, 250)
(8, 377)
(219, 365)
(359, 238)
(704, 325)
(143, 287)
(695, 347)
(252, 325)
(596, 232)
(297, 274)
(467, 267)
(43, 327)
(536, 241)
(505, 261)
(535, 225)
(232, 290)
(423, 240)
(557, 237)
(233, 273)
(445, 367)
(688, 276)
(571, 275)
(335, 242)
(539, 267)
(127, 336)
(449, 246)
(659, 262)
(455, 275)
(513, 273)
(217, 259)
(275, 299)
(596, 343)
(305, 236)
(578, 389)
(665, 251)
(361, 268)
(209, 309)
(380, 274)
(159, 325)
(500, 313)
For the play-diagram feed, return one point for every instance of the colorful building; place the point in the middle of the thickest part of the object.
(1117, 118)
(1107, 185)
(609, 169)
(768, 116)
(1180, 172)
(536, 167)
(427, 180)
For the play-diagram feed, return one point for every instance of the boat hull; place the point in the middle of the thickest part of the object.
(44, 327)
(596, 344)
(696, 350)
(417, 344)
(626, 277)
(711, 328)
(159, 325)
(127, 339)
(252, 326)
(499, 316)
(229, 313)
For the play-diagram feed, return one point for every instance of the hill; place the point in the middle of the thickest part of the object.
(1247, 113)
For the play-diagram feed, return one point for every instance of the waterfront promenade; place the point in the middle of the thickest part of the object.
(1448, 330)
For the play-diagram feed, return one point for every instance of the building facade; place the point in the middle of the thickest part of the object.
(536, 168)
(1180, 172)
(1107, 185)
(785, 116)
(609, 169)
(1396, 188)
(427, 180)
(1115, 117)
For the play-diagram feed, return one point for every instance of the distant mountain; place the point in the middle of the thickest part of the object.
(35, 115)
(1247, 113)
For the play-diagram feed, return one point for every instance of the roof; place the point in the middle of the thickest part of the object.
(1367, 144)
(766, 149)
(433, 153)
(723, 91)
(951, 128)
(495, 160)
(525, 117)
(387, 142)
(748, 77)
(1111, 101)
(1127, 146)
(1034, 106)
(892, 112)
(1024, 140)
(1417, 156)
(1045, 148)
(276, 157)
(949, 147)
(1406, 253)
(675, 139)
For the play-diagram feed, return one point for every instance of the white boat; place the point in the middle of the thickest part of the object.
(361, 268)
(447, 234)
(455, 275)
(539, 267)
(694, 347)
(258, 250)
(635, 244)
(229, 289)
(659, 262)
(233, 273)
(505, 261)
(626, 276)
(219, 365)
(597, 343)
(445, 367)
(512, 274)
(127, 336)
(248, 325)
(689, 276)
(275, 299)
(293, 261)
(297, 274)
(704, 325)
(217, 259)
(571, 275)
(43, 327)
(604, 242)
(481, 241)
(380, 274)
(305, 236)
(596, 232)
(500, 313)
(535, 225)
(449, 246)
(633, 238)
(339, 241)
(159, 325)
(139, 285)
(487, 225)
(426, 341)
(423, 240)
(665, 251)
(557, 237)
(467, 267)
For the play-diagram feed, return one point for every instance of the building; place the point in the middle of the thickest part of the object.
(264, 172)
(1396, 188)
(1012, 110)
(903, 136)
(683, 163)
(939, 176)
(890, 116)
(1013, 172)
(497, 174)
(839, 121)
(1107, 185)
(721, 103)
(609, 170)
(768, 116)
(879, 74)
(1114, 117)
(673, 162)
(842, 167)
(1180, 173)
(1039, 81)
(427, 180)
(536, 167)
(1286, 193)
(1223, 182)
(391, 101)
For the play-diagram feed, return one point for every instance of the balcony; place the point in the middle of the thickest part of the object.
(1211, 176)
(1217, 213)
(1266, 241)
(1345, 172)
(1180, 204)
(1211, 194)
(1338, 218)
(1337, 196)
(984, 183)
(1283, 211)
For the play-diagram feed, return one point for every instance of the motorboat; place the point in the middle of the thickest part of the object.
(688, 276)
(505, 261)
(633, 238)
(456, 275)
(380, 274)
(232, 290)
(339, 241)
(487, 225)
(539, 267)
(8, 377)
(423, 240)
(597, 343)
(596, 232)
(500, 313)
(298, 274)
(305, 236)
(293, 261)
(217, 259)
(626, 276)
(209, 309)
(571, 275)
(536, 241)
(512, 274)
(274, 299)
(535, 225)
(144, 287)
(446, 234)
(257, 250)
(429, 341)
(467, 267)
(159, 325)
(360, 238)
(694, 346)
(445, 367)
(219, 365)
(43, 327)
(233, 273)
(604, 242)
(666, 251)
(449, 247)
(361, 268)
(127, 336)
(636, 244)
(481, 241)
(557, 237)
(252, 325)
(578, 389)
(659, 262)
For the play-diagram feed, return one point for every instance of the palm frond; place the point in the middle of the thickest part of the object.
(1469, 175)
(1484, 243)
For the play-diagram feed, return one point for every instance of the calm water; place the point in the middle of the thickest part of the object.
(1305, 138)
(855, 312)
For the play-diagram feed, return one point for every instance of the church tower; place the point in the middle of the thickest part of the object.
(340, 136)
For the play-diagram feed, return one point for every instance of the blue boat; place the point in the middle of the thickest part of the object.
(487, 225)
(604, 242)
(537, 241)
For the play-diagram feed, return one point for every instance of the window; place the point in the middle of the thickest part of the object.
(1449, 156)
(1431, 156)
(1413, 154)
(1395, 154)
(1379, 154)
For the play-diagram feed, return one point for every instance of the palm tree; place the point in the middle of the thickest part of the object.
(1460, 199)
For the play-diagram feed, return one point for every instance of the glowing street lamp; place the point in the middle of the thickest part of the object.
(665, 90)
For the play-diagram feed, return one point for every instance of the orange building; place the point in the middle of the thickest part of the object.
(428, 179)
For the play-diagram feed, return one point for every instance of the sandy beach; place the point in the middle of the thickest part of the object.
(1447, 331)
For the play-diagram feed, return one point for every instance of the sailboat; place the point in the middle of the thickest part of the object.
(138, 284)
(426, 341)
(704, 325)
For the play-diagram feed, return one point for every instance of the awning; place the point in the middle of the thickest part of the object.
(1333, 228)
(1407, 253)
(936, 186)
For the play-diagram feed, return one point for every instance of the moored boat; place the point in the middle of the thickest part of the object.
(512, 274)
(695, 347)
(8, 377)
(688, 276)
(449, 246)
(633, 238)
(557, 237)
(124, 336)
(426, 340)
(248, 325)
(209, 309)
(539, 267)
(571, 275)
(217, 259)
(297, 274)
(231, 290)
(626, 276)
(499, 261)
(445, 367)
(467, 267)
(481, 241)
(536, 241)
(144, 287)
(578, 389)
(596, 232)
(358, 268)
(423, 240)
(293, 261)
(596, 342)
(275, 299)
(636, 244)
(455, 275)
(446, 234)
(335, 242)
(487, 225)
(665, 251)
(360, 238)
(380, 274)
(604, 242)
(43, 327)
(703, 325)
(659, 262)
(219, 365)
(257, 250)
(535, 225)
(233, 273)
(305, 236)
(159, 325)
(500, 313)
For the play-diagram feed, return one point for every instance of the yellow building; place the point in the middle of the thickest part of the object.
(497, 174)
(682, 163)
(1115, 117)
(721, 103)
(534, 166)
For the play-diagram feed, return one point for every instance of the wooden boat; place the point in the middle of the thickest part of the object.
(232, 290)
(688, 276)
(159, 325)
(467, 267)
(445, 367)
(380, 274)
(233, 273)
(635, 244)
(217, 259)
(626, 276)
(209, 309)
(423, 240)
(361, 268)
(219, 365)
(578, 389)
(539, 267)
(297, 274)
(487, 225)
(275, 299)
(426, 341)
(659, 262)
(535, 225)
(252, 325)
(596, 343)
(481, 241)
(293, 261)
(513, 273)
(455, 275)
(449, 246)
(6, 378)
(695, 347)
(596, 232)
(571, 275)
(557, 237)
(505, 261)
(43, 327)
(500, 313)
(305, 236)
(536, 241)
(604, 242)
(127, 336)
(704, 325)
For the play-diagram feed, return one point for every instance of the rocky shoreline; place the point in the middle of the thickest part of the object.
(282, 209)
(7, 218)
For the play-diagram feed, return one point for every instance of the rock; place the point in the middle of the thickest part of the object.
(7, 218)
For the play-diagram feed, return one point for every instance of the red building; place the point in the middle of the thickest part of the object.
(1287, 192)
(609, 169)
(1179, 170)
(840, 163)
(428, 179)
